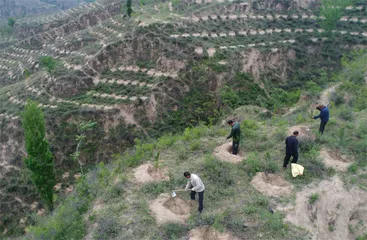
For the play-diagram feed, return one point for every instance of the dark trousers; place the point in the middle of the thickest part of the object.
(235, 146)
(288, 156)
(322, 127)
(201, 199)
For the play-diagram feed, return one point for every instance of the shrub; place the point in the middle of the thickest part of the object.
(313, 198)
(67, 222)
(174, 230)
(107, 228)
(353, 168)
(306, 144)
(346, 114)
(252, 164)
(217, 171)
(313, 88)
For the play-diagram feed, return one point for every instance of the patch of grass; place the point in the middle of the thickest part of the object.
(174, 230)
(217, 172)
(314, 197)
(353, 168)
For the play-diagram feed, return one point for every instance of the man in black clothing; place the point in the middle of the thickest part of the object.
(291, 149)
(235, 135)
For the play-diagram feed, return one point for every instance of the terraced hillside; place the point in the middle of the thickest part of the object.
(171, 65)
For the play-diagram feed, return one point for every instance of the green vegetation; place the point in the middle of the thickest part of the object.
(11, 22)
(313, 198)
(39, 159)
(129, 10)
(332, 10)
(80, 138)
(49, 63)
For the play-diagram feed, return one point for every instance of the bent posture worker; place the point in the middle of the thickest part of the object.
(195, 184)
(324, 117)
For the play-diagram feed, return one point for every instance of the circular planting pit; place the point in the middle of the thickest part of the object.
(148, 173)
(336, 212)
(209, 233)
(333, 158)
(168, 209)
(224, 153)
(271, 184)
(304, 132)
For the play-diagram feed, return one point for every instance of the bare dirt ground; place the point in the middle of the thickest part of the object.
(209, 233)
(167, 209)
(334, 159)
(335, 212)
(304, 131)
(148, 173)
(223, 152)
(271, 184)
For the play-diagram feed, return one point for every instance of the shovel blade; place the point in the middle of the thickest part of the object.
(173, 194)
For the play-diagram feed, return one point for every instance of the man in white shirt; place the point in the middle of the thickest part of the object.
(195, 184)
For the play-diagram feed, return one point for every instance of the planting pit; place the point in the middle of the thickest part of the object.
(148, 173)
(334, 159)
(209, 233)
(333, 214)
(271, 184)
(168, 209)
(304, 132)
(224, 153)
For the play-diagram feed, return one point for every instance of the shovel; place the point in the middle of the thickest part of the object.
(174, 194)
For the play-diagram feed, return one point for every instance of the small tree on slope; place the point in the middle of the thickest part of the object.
(39, 158)
(129, 9)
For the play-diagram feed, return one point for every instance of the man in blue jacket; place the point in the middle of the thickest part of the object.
(291, 149)
(324, 117)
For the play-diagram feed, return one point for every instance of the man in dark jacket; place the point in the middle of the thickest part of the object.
(291, 149)
(235, 135)
(324, 117)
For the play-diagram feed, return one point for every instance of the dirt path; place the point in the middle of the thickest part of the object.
(324, 99)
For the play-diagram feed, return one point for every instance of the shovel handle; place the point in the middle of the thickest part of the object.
(180, 190)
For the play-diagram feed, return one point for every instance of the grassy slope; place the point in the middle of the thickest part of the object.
(111, 205)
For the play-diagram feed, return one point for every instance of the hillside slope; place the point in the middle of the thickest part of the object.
(170, 66)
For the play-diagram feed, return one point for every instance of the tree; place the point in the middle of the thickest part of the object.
(83, 128)
(11, 22)
(39, 158)
(49, 63)
(129, 9)
(332, 11)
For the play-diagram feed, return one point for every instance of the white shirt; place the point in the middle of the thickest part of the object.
(196, 183)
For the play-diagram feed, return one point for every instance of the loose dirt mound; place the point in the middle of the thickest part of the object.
(148, 173)
(209, 233)
(271, 184)
(333, 158)
(304, 132)
(224, 153)
(168, 209)
(331, 214)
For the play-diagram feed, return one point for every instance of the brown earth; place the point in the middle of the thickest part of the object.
(167, 209)
(271, 184)
(304, 132)
(331, 214)
(209, 233)
(334, 159)
(148, 173)
(224, 153)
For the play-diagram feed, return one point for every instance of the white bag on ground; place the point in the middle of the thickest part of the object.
(297, 170)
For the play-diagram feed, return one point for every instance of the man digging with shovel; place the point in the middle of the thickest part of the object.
(195, 184)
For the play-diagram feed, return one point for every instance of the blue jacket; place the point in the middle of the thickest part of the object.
(324, 115)
(291, 145)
